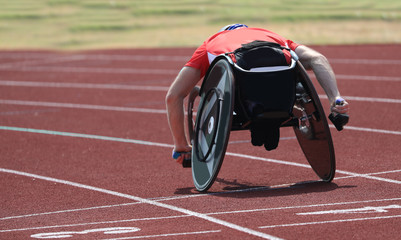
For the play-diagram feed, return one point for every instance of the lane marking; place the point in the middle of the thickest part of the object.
(156, 71)
(89, 136)
(55, 59)
(332, 221)
(366, 99)
(150, 88)
(368, 209)
(211, 213)
(100, 57)
(82, 85)
(365, 61)
(368, 78)
(147, 110)
(91, 70)
(369, 177)
(132, 57)
(147, 201)
(372, 130)
(82, 106)
(167, 235)
(67, 234)
(115, 139)
(93, 223)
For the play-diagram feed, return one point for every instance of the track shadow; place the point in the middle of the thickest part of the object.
(235, 189)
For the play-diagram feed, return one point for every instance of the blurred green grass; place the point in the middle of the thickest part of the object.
(88, 24)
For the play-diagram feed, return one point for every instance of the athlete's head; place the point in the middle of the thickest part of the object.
(233, 26)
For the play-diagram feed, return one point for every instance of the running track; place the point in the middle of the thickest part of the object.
(85, 154)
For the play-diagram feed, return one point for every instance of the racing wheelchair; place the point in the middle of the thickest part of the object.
(237, 94)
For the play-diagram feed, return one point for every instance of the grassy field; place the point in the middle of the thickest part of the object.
(89, 24)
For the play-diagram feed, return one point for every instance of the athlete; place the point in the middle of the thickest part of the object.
(228, 39)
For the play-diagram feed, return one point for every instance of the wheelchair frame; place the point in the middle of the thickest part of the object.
(219, 99)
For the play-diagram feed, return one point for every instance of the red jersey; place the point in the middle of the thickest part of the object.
(228, 41)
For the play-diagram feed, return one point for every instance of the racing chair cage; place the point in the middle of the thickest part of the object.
(263, 94)
(279, 93)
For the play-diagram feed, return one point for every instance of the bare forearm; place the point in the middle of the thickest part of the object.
(182, 85)
(324, 73)
(176, 121)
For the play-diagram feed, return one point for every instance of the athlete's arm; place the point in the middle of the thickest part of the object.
(179, 89)
(313, 60)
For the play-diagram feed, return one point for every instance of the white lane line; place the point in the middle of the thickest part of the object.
(150, 88)
(367, 99)
(93, 223)
(82, 85)
(100, 57)
(82, 106)
(132, 57)
(89, 136)
(368, 176)
(97, 137)
(371, 130)
(365, 61)
(148, 110)
(305, 206)
(156, 71)
(211, 213)
(166, 235)
(143, 200)
(368, 78)
(366, 209)
(68, 211)
(54, 59)
(91, 70)
(331, 221)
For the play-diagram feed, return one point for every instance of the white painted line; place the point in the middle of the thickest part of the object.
(368, 209)
(147, 110)
(332, 221)
(371, 130)
(367, 99)
(150, 88)
(367, 176)
(82, 85)
(132, 57)
(89, 136)
(92, 223)
(156, 71)
(99, 57)
(92, 70)
(365, 61)
(82, 106)
(97, 137)
(167, 235)
(211, 213)
(143, 200)
(368, 78)
(54, 59)
(306, 206)
(68, 234)
(68, 211)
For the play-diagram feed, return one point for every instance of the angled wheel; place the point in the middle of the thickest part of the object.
(313, 132)
(213, 124)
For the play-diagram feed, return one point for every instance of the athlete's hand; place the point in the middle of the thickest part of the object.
(339, 113)
(341, 106)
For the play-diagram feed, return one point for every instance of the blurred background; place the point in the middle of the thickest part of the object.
(96, 24)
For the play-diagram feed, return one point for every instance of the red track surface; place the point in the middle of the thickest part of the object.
(103, 164)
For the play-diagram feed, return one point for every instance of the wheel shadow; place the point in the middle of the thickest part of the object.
(236, 189)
